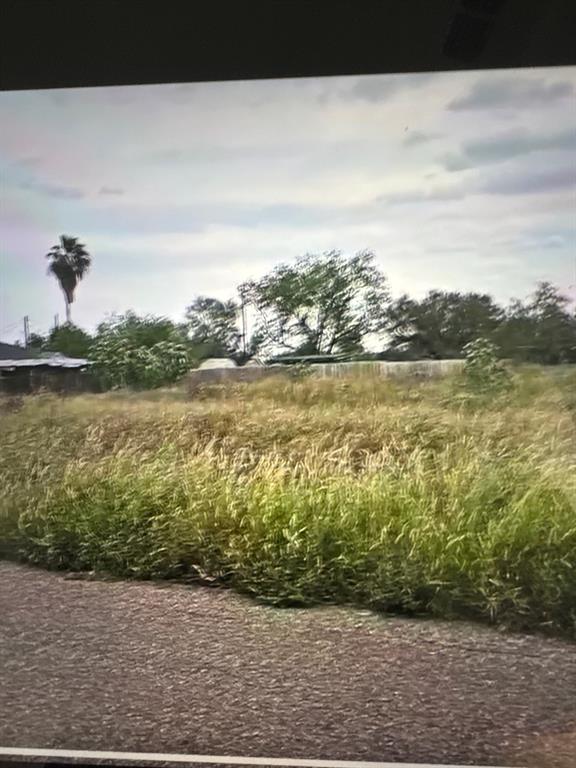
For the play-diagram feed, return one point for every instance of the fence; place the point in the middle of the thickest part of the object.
(426, 369)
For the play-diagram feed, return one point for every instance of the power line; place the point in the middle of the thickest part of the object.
(10, 327)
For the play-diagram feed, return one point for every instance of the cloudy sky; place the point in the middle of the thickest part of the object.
(460, 181)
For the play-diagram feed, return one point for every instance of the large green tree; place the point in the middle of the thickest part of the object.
(212, 327)
(141, 330)
(321, 304)
(69, 263)
(541, 329)
(69, 340)
(442, 323)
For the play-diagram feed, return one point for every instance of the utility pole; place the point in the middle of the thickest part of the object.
(243, 316)
(26, 330)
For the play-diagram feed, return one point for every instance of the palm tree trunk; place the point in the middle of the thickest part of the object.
(68, 312)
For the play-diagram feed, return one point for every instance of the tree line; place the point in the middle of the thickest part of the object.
(322, 304)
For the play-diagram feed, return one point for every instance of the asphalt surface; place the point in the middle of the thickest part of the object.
(133, 666)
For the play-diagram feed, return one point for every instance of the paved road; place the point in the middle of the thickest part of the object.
(140, 667)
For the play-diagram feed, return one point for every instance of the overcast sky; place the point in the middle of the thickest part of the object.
(462, 181)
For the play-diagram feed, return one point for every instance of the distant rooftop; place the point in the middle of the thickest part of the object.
(217, 362)
(13, 352)
(12, 356)
(290, 359)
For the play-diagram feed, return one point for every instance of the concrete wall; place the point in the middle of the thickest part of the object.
(385, 369)
(420, 369)
(199, 377)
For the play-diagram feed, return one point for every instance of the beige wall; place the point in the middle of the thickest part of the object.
(424, 368)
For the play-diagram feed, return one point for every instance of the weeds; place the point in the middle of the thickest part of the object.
(484, 373)
(382, 494)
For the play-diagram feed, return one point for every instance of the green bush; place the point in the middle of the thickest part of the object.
(139, 352)
(484, 373)
(118, 364)
(299, 371)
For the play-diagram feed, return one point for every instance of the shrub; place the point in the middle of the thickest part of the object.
(119, 364)
(484, 373)
(299, 371)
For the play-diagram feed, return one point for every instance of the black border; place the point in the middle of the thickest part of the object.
(80, 43)
(74, 43)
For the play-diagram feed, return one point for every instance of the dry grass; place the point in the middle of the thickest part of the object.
(405, 497)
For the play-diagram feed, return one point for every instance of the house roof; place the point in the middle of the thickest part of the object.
(290, 359)
(12, 357)
(12, 352)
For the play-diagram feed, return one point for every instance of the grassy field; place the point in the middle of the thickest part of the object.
(403, 497)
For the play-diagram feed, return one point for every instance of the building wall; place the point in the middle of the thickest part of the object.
(27, 381)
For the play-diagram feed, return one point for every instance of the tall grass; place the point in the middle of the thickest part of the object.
(400, 497)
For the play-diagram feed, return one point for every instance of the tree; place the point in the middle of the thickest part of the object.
(69, 340)
(212, 328)
(540, 330)
(555, 329)
(141, 330)
(484, 373)
(517, 333)
(322, 304)
(69, 262)
(36, 341)
(140, 352)
(442, 324)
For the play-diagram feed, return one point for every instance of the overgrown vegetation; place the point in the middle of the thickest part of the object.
(142, 353)
(321, 304)
(484, 373)
(387, 495)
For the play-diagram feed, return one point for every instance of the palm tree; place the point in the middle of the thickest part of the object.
(69, 262)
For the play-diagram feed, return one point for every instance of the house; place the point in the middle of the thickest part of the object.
(24, 371)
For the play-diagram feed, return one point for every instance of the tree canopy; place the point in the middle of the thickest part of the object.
(69, 263)
(212, 327)
(442, 324)
(541, 329)
(140, 352)
(320, 304)
(141, 330)
(69, 340)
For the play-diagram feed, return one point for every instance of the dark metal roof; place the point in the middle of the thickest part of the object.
(57, 361)
(12, 357)
(288, 359)
(12, 352)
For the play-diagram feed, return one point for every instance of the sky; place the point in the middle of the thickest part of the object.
(457, 181)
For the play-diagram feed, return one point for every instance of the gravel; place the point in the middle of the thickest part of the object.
(142, 667)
